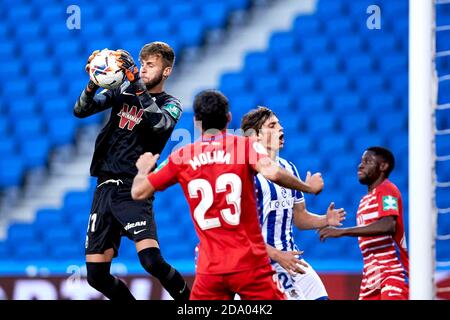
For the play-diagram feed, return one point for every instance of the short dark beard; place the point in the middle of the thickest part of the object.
(364, 180)
(154, 82)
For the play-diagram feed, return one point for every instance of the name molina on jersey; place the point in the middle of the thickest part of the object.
(208, 157)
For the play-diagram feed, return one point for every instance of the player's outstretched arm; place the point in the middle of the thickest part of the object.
(88, 103)
(142, 188)
(383, 226)
(271, 171)
(303, 219)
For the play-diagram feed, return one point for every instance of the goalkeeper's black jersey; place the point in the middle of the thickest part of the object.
(131, 130)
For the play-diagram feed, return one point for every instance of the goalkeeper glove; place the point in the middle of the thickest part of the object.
(125, 61)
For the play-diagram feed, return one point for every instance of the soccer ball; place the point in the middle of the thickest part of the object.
(104, 70)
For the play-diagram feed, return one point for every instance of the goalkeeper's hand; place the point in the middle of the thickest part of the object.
(126, 63)
(91, 86)
(92, 56)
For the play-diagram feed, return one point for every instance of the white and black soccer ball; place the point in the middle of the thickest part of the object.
(104, 70)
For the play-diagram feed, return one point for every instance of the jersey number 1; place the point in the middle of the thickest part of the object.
(207, 199)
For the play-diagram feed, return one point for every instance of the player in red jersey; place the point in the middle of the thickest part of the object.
(217, 178)
(380, 230)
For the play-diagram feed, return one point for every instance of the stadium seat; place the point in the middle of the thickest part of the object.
(60, 251)
(35, 151)
(442, 198)
(355, 123)
(266, 84)
(31, 252)
(443, 170)
(191, 32)
(231, 83)
(301, 83)
(307, 25)
(22, 232)
(214, 14)
(11, 171)
(61, 129)
(257, 63)
(346, 102)
(372, 83)
(7, 145)
(291, 66)
(443, 119)
(282, 42)
(443, 145)
(335, 83)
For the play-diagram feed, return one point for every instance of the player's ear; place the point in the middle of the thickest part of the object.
(229, 117)
(167, 71)
(197, 123)
(384, 166)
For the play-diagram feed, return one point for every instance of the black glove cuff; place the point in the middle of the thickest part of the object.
(139, 86)
(91, 87)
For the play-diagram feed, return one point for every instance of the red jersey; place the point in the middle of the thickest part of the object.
(217, 178)
(385, 257)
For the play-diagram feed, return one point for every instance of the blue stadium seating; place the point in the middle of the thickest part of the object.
(39, 68)
(336, 87)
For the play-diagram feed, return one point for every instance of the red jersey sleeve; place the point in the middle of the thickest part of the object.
(165, 175)
(388, 202)
(255, 151)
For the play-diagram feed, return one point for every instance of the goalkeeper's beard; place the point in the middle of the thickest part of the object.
(154, 82)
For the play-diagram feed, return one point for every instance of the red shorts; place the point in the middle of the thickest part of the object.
(255, 284)
(390, 289)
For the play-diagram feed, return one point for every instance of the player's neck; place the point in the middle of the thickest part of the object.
(376, 183)
(213, 132)
(156, 89)
(272, 154)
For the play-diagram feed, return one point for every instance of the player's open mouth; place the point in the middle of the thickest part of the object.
(282, 138)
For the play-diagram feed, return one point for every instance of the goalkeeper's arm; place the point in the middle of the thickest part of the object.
(88, 103)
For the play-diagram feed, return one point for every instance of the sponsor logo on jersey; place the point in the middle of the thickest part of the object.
(129, 117)
(390, 203)
(287, 203)
(173, 110)
(135, 224)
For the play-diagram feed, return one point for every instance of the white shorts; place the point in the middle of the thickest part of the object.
(306, 286)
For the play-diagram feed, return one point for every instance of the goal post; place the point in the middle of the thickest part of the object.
(422, 97)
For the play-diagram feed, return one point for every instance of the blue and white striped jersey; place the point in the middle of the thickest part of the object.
(276, 209)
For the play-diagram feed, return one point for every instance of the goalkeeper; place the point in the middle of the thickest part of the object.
(142, 118)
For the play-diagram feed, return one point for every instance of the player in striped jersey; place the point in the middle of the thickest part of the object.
(280, 208)
(380, 230)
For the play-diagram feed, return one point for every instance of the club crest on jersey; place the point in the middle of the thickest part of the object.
(129, 117)
(390, 203)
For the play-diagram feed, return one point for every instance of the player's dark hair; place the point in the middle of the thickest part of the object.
(211, 108)
(255, 119)
(160, 49)
(386, 155)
